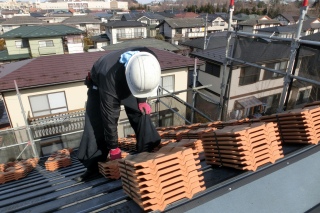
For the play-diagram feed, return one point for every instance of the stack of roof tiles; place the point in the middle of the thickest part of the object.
(154, 180)
(197, 133)
(110, 169)
(17, 169)
(164, 142)
(244, 147)
(174, 134)
(59, 159)
(127, 143)
(298, 125)
(194, 144)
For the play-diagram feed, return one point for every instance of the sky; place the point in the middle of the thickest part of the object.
(144, 1)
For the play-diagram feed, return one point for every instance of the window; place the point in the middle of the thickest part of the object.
(48, 43)
(303, 96)
(213, 69)
(167, 82)
(281, 66)
(138, 32)
(216, 23)
(22, 44)
(48, 103)
(249, 75)
(222, 23)
(74, 40)
(121, 33)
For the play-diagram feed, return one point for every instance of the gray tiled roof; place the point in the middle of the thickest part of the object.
(19, 20)
(313, 37)
(216, 40)
(100, 38)
(81, 20)
(184, 22)
(148, 42)
(119, 24)
(42, 31)
(277, 29)
(257, 21)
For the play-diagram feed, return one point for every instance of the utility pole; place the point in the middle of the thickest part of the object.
(205, 33)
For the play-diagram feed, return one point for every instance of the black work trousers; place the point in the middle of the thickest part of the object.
(93, 146)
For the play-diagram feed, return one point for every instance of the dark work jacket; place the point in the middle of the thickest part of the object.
(108, 74)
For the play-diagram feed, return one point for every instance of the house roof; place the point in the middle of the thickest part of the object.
(243, 16)
(313, 37)
(19, 20)
(264, 52)
(119, 24)
(148, 42)
(35, 15)
(166, 14)
(42, 31)
(216, 40)
(258, 21)
(184, 22)
(292, 18)
(59, 69)
(131, 16)
(4, 56)
(81, 20)
(277, 29)
(100, 38)
(186, 15)
(307, 24)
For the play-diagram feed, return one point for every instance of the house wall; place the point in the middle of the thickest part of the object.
(168, 31)
(75, 94)
(13, 50)
(37, 51)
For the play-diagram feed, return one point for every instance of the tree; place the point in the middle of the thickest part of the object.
(254, 10)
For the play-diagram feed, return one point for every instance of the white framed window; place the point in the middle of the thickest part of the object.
(18, 44)
(167, 82)
(50, 103)
(47, 43)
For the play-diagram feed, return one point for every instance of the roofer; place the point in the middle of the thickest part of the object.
(126, 77)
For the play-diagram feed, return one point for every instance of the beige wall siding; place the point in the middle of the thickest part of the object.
(37, 51)
(13, 50)
(76, 96)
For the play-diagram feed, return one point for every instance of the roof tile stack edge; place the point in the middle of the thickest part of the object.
(59, 159)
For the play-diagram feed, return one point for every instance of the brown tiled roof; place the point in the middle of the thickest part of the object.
(186, 15)
(59, 69)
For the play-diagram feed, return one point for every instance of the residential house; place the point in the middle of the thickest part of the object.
(148, 42)
(309, 27)
(251, 89)
(119, 31)
(287, 18)
(88, 24)
(213, 40)
(56, 16)
(252, 25)
(43, 40)
(18, 21)
(177, 30)
(6, 13)
(215, 23)
(54, 84)
(99, 41)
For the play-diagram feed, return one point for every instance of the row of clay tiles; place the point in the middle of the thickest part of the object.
(17, 169)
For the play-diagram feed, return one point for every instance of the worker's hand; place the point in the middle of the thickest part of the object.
(144, 108)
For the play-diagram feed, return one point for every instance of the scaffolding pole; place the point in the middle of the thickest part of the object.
(35, 153)
(194, 86)
(294, 47)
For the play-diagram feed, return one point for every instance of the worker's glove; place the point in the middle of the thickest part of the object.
(144, 108)
(115, 154)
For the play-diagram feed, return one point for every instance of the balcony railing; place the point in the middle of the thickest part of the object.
(123, 36)
(49, 125)
(194, 34)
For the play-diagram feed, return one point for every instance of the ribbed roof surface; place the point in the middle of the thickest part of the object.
(185, 22)
(16, 20)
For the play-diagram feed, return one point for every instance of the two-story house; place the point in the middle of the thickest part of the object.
(178, 30)
(251, 89)
(54, 84)
(18, 21)
(88, 24)
(119, 31)
(43, 40)
(252, 25)
(287, 18)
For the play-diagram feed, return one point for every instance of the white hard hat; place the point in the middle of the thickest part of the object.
(143, 73)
